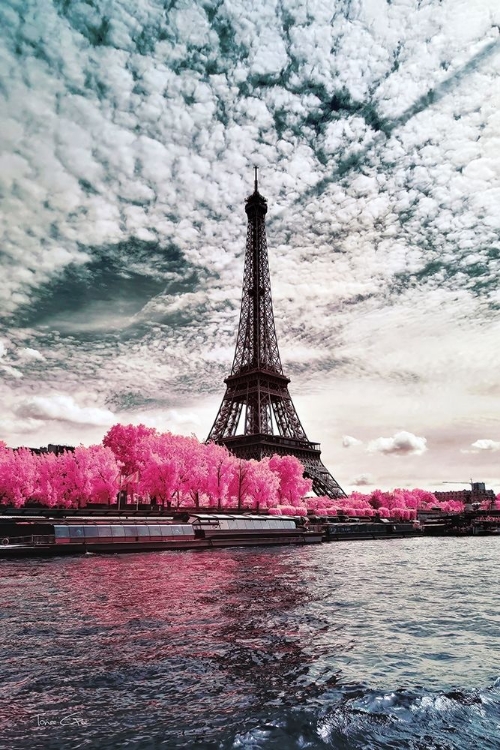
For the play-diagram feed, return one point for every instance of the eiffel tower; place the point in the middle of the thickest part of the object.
(257, 403)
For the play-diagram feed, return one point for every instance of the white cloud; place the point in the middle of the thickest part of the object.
(62, 408)
(12, 371)
(172, 420)
(348, 441)
(10, 426)
(401, 444)
(29, 353)
(484, 445)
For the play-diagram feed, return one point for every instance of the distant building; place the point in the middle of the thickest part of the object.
(57, 449)
(477, 494)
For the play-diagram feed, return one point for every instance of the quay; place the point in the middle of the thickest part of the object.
(50, 532)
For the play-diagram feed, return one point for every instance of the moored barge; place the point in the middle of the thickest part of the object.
(381, 529)
(199, 531)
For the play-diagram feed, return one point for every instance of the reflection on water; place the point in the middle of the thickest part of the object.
(333, 646)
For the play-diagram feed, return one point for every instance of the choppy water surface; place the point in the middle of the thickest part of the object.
(384, 644)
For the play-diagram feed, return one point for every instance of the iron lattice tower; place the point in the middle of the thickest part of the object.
(257, 402)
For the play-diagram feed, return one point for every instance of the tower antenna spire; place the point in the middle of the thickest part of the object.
(256, 179)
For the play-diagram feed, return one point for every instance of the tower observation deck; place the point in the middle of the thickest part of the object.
(257, 417)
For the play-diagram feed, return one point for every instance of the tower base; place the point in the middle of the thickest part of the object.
(259, 446)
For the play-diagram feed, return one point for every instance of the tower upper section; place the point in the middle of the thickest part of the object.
(256, 345)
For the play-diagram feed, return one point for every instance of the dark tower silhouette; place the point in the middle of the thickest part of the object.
(257, 404)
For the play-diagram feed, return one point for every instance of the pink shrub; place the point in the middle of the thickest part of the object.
(301, 510)
(289, 510)
(332, 510)
(323, 502)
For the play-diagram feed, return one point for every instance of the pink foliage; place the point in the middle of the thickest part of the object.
(240, 483)
(127, 444)
(158, 478)
(88, 475)
(292, 486)
(220, 467)
(289, 510)
(263, 484)
(49, 480)
(401, 504)
(322, 502)
(18, 476)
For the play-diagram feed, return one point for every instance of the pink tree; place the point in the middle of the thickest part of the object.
(128, 443)
(18, 476)
(292, 484)
(5, 474)
(88, 475)
(321, 503)
(100, 463)
(159, 478)
(262, 485)
(424, 499)
(240, 482)
(172, 461)
(192, 470)
(159, 467)
(220, 468)
(380, 499)
(49, 480)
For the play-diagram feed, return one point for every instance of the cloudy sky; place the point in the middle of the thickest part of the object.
(128, 132)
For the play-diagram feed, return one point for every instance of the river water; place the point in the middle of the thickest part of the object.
(352, 645)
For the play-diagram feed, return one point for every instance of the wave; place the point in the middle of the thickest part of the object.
(357, 718)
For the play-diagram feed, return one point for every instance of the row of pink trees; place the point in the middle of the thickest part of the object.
(171, 470)
(71, 479)
(400, 504)
(180, 471)
(177, 471)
